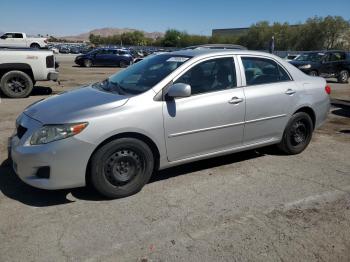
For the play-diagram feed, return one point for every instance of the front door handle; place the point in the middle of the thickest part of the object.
(290, 92)
(235, 100)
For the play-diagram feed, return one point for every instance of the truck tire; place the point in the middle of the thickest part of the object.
(35, 46)
(16, 84)
(343, 76)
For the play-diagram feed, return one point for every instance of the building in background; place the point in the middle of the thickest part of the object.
(230, 31)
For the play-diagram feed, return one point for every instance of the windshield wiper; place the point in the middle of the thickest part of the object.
(123, 90)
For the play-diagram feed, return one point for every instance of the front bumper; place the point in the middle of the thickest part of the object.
(67, 159)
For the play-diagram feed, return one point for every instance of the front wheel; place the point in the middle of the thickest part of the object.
(87, 63)
(121, 167)
(297, 134)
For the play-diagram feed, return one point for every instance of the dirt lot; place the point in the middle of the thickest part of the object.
(252, 206)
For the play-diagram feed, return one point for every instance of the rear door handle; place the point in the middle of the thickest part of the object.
(290, 92)
(235, 100)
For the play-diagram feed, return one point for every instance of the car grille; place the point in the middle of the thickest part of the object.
(50, 61)
(21, 130)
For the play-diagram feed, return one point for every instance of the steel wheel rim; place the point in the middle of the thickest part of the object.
(123, 166)
(17, 84)
(299, 133)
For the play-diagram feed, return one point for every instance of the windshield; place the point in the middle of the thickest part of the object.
(143, 75)
(313, 57)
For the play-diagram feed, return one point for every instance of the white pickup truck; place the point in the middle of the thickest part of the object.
(21, 68)
(20, 40)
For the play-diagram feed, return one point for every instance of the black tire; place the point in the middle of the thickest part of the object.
(343, 76)
(121, 168)
(123, 64)
(35, 46)
(16, 84)
(313, 73)
(297, 134)
(87, 63)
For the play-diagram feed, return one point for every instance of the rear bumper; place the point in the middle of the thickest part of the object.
(53, 76)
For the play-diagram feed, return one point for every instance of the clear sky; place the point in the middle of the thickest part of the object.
(64, 17)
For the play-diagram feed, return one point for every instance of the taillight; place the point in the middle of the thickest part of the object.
(328, 89)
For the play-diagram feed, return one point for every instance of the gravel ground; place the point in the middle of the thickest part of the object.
(251, 206)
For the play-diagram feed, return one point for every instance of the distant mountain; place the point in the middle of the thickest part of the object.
(109, 32)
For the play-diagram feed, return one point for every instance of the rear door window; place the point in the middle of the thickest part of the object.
(263, 71)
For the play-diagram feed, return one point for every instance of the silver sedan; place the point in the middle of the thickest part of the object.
(166, 110)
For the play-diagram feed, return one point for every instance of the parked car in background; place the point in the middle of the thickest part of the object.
(166, 110)
(329, 64)
(64, 49)
(21, 40)
(74, 50)
(21, 68)
(86, 49)
(138, 59)
(54, 49)
(290, 57)
(105, 57)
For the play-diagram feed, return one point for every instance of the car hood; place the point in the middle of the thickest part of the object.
(74, 106)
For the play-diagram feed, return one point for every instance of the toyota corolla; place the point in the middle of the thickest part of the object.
(166, 110)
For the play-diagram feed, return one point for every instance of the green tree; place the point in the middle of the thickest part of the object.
(334, 30)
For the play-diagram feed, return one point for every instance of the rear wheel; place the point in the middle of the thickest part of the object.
(122, 167)
(35, 46)
(16, 84)
(87, 63)
(297, 134)
(123, 64)
(313, 73)
(343, 76)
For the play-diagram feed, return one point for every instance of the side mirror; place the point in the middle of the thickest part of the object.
(179, 90)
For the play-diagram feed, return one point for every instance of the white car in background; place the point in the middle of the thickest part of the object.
(21, 68)
(21, 40)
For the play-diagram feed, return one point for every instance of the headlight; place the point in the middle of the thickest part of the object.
(51, 133)
(305, 66)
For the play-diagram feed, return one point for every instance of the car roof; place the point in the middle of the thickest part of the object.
(207, 52)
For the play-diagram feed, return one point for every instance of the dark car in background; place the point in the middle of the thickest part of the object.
(64, 49)
(75, 50)
(105, 57)
(329, 64)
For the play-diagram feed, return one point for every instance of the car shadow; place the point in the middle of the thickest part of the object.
(41, 91)
(37, 91)
(12, 187)
(96, 66)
